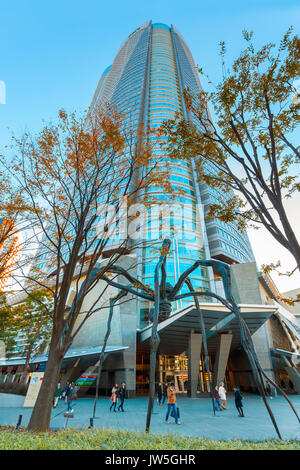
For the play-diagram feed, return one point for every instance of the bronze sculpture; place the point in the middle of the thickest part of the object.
(164, 294)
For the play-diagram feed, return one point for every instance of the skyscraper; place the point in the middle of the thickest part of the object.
(145, 82)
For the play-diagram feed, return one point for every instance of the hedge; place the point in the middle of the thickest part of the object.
(106, 439)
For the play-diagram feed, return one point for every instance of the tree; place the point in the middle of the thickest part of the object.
(249, 149)
(31, 320)
(8, 340)
(9, 249)
(72, 175)
(12, 206)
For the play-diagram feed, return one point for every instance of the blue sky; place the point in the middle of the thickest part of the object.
(54, 52)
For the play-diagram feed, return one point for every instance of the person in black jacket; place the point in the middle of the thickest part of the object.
(217, 401)
(122, 395)
(165, 387)
(69, 398)
(159, 394)
(238, 401)
(66, 391)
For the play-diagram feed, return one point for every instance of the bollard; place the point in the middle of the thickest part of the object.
(67, 415)
(91, 422)
(19, 421)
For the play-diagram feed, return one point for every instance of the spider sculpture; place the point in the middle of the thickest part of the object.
(163, 295)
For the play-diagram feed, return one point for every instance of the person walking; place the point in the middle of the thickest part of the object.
(159, 394)
(122, 395)
(57, 394)
(172, 403)
(268, 390)
(114, 397)
(65, 391)
(165, 388)
(222, 393)
(69, 398)
(217, 402)
(238, 401)
(74, 391)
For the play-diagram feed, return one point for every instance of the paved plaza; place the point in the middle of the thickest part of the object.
(197, 419)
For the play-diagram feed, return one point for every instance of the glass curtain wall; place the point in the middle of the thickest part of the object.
(180, 221)
(145, 82)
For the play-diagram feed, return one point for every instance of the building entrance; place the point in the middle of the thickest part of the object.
(170, 369)
(174, 369)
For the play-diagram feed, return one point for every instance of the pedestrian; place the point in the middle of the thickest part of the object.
(69, 398)
(172, 403)
(122, 395)
(217, 402)
(268, 390)
(238, 401)
(57, 394)
(165, 388)
(65, 391)
(114, 397)
(159, 394)
(74, 391)
(222, 393)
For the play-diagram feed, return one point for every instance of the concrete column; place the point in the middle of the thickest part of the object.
(160, 371)
(125, 371)
(194, 351)
(262, 340)
(293, 373)
(222, 358)
(72, 373)
(295, 377)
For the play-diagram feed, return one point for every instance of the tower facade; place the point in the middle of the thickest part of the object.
(145, 82)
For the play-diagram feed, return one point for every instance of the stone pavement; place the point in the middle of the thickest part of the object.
(197, 419)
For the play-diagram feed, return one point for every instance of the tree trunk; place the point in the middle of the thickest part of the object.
(294, 246)
(26, 366)
(285, 235)
(41, 414)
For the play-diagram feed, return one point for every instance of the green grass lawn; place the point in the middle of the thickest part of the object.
(104, 439)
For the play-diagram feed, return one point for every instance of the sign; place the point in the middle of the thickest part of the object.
(33, 389)
(86, 380)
